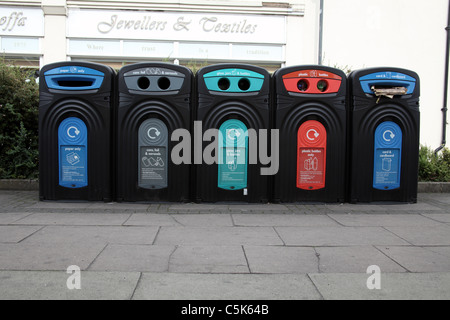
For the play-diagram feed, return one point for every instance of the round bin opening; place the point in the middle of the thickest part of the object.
(244, 84)
(322, 85)
(302, 85)
(164, 83)
(224, 84)
(143, 83)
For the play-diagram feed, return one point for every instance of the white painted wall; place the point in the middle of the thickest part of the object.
(399, 33)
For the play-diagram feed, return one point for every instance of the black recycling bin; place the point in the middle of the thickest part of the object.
(384, 135)
(233, 103)
(154, 102)
(75, 110)
(310, 114)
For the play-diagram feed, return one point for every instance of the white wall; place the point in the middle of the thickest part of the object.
(399, 33)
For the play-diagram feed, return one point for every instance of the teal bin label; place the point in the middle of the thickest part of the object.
(234, 81)
(387, 156)
(72, 144)
(233, 155)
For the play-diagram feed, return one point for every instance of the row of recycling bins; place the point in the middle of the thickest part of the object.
(145, 134)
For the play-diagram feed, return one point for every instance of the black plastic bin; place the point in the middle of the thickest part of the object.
(384, 135)
(154, 101)
(233, 99)
(310, 113)
(75, 108)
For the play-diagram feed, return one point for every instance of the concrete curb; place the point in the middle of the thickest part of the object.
(19, 184)
(33, 185)
(434, 187)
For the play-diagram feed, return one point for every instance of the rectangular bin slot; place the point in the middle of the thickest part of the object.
(75, 83)
(389, 91)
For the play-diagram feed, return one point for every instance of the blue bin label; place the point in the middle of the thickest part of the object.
(387, 156)
(233, 154)
(72, 144)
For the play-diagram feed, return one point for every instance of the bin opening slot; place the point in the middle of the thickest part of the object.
(75, 83)
(388, 91)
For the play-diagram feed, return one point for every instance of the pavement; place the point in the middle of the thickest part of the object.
(223, 251)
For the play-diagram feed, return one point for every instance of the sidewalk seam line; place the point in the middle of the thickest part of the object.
(246, 259)
(137, 285)
(95, 259)
(33, 233)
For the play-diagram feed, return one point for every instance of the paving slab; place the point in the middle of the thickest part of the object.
(419, 259)
(151, 219)
(217, 236)
(52, 285)
(203, 220)
(354, 260)
(14, 234)
(424, 236)
(74, 219)
(282, 220)
(408, 207)
(337, 236)
(176, 286)
(394, 286)
(374, 220)
(133, 258)
(441, 217)
(208, 259)
(94, 234)
(11, 217)
(47, 256)
(280, 259)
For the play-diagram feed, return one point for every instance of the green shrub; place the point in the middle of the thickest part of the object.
(432, 167)
(19, 101)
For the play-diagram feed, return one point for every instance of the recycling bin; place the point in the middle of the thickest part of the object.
(75, 110)
(154, 102)
(233, 101)
(384, 135)
(310, 113)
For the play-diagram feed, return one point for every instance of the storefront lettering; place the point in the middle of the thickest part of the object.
(147, 23)
(207, 24)
(8, 23)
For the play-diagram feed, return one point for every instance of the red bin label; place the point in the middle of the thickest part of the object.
(311, 155)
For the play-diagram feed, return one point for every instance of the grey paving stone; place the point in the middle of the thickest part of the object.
(60, 205)
(52, 285)
(410, 207)
(272, 208)
(441, 217)
(394, 286)
(203, 220)
(47, 256)
(94, 234)
(280, 259)
(348, 207)
(120, 206)
(13, 234)
(354, 260)
(74, 219)
(337, 236)
(424, 236)
(133, 258)
(151, 219)
(217, 236)
(198, 207)
(373, 220)
(208, 259)
(419, 259)
(285, 220)
(173, 286)
(11, 217)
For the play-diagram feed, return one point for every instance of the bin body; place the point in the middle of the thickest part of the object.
(310, 113)
(384, 136)
(75, 110)
(233, 99)
(154, 101)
